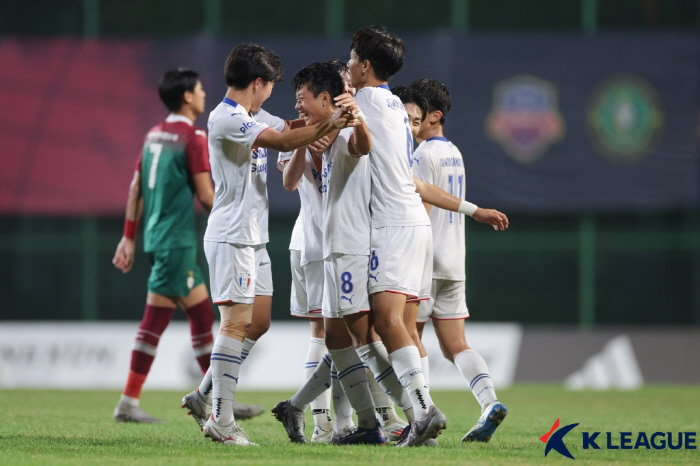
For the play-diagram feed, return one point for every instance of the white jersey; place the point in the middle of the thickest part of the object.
(240, 211)
(437, 161)
(297, 240)
(346, 199)
(394, 198)
(309, 188)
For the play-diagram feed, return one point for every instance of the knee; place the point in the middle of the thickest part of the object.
(235, 328)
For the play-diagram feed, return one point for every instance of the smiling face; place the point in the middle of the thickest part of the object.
(415, 114)
(313, 109)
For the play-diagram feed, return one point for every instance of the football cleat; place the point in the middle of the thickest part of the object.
(125, 412)
(322, 434)
(338, 435)
(393, 427)
(487, 424)
(421, 430)
(431, 442)
(242, 411)
(360, 436)
(197, 407)
(231, 434)
(292, 419)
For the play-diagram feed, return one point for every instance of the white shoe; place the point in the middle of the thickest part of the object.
(347, 430)
(197, 407)
(322, 433)
(231, 434)
(393, 426)
(125, 412)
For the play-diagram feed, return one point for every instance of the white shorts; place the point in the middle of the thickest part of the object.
(345, 285)
(307, 287)
(238, 272)
(401, 261)
(448, 301)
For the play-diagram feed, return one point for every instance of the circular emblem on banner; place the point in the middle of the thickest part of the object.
(625, 118)
(525, 118)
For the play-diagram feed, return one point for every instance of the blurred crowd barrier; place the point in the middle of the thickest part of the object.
(96, 356)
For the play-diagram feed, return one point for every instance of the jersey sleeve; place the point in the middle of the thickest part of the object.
(272, 121)
(343, 139)
(138, 162)
(197, 153)
(282, 159)
(242, 129)
(423, 165)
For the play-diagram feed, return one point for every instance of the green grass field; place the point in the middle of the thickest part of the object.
(76, 428)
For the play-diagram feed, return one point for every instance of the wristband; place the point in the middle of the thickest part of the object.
(130, 228)
(467, 208)
(361, 116)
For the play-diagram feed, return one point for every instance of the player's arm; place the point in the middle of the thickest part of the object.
(124, 255)
(295, 138)
(439, 198)
(360, 142)
(204, 188)
(294, 169)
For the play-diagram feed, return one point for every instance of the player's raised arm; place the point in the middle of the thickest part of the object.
(361, 142)
(124, 255)
(299, 137)
(439, 198)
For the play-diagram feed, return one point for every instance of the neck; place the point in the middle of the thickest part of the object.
(372, 81)
(188, 113)
(432, 132)
(243, 97)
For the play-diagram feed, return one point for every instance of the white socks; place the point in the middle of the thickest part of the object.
(318, 382)
(377, 359)
(407, 365)
(225, 365)
(321, 406)
(474, 369)
(426, 370)
(352, 375)
(342, 410)
(247, 346)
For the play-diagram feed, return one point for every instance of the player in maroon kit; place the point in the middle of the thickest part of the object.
(175, 165)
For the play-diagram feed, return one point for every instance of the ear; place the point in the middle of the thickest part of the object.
(434, 116)
(257, 84)
(366, 66)
(187, 97)
(325, 99)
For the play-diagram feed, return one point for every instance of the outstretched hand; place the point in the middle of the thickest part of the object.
(496, 219)
(124, 255)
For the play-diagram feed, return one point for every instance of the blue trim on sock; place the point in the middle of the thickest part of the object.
(476, 379)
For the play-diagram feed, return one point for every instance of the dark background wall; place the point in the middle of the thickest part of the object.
(592, 240)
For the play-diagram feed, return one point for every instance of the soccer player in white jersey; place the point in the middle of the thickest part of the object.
(301, 170)
(346, 193)
(400, 231)
(437, 161)
(236, 234)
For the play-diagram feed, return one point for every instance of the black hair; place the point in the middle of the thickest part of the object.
(384, 50)
(411, 96)
(436, 94)
(173, 84)
(249, 61)
(319, 77)
(339, 65)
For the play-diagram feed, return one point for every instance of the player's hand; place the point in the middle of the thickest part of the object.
(496, 219)
(347, 102)
(342, 119)
(316, 148)
(124, 256)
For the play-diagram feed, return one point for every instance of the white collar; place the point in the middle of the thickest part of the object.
(174, 118)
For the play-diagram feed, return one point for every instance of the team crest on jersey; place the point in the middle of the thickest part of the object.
(244, 280)
(525, 118)
(625, 118)
(190, 280)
